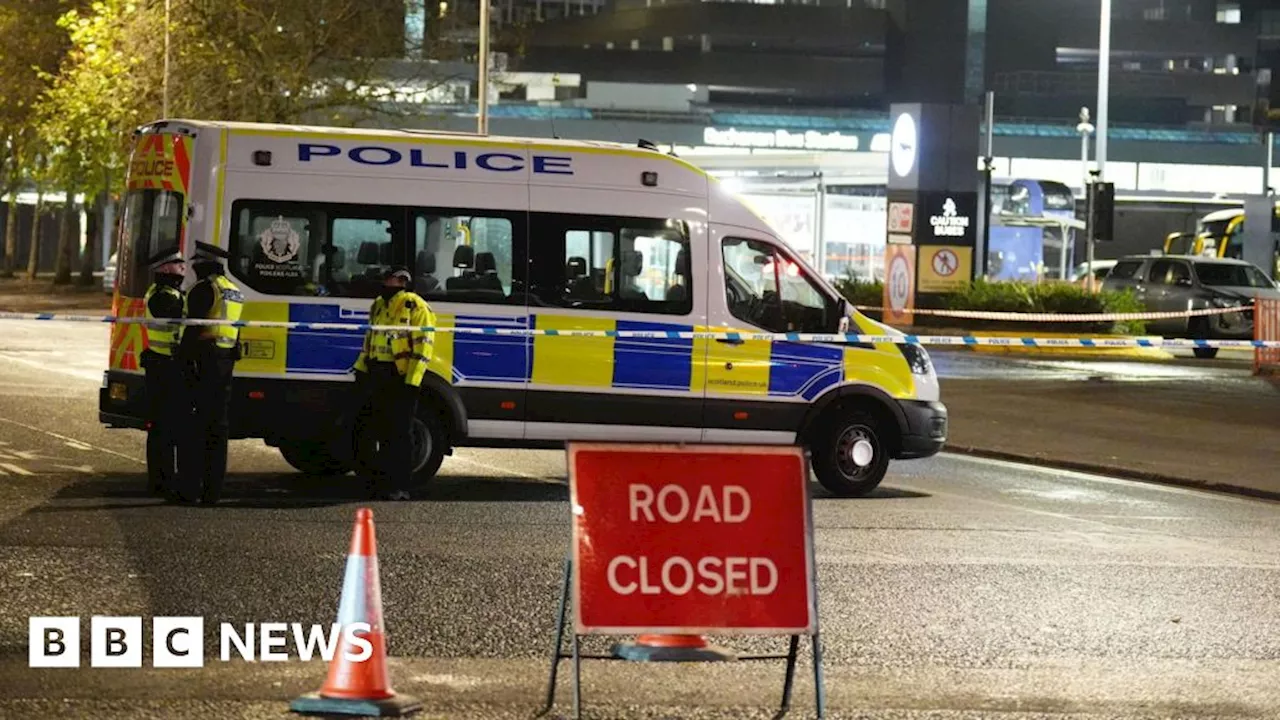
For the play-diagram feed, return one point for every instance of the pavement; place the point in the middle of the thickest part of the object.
(963, 588)
(1209, 424)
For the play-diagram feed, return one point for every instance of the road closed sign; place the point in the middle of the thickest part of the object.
(690, 540)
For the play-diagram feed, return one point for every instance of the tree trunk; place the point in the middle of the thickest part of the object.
(33, 253)
(62, 259)
(93, 228)
(10, 237)
(11, 220)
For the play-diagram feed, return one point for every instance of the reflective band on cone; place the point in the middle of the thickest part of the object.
(671, 648)
(354, 687)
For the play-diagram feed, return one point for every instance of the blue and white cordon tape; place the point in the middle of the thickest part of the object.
(964, 340)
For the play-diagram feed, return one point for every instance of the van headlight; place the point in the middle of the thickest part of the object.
(917, 358)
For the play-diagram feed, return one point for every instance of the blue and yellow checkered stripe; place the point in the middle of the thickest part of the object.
(758, 368)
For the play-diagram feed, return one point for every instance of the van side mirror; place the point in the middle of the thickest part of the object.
(1183, 282)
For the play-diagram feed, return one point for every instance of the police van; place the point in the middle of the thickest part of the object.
(511, 233)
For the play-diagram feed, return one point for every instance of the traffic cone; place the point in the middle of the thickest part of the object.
(359, 687)
(671, 648)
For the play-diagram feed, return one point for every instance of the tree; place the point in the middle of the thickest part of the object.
(33, 46)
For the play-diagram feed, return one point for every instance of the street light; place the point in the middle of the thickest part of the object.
(1084, 128)
(1104, 82)
(482, 117)
(165, 100)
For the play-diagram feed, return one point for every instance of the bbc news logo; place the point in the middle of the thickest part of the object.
(178, 642)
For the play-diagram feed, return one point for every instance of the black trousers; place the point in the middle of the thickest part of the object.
(168, 411)
(203, 464)
(394, 405)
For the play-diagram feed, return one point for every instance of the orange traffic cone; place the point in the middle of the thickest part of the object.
(359, 687)
(671, 648)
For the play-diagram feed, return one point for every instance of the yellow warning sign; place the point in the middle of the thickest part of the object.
(944, 268)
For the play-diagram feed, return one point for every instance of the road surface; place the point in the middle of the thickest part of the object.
(962, 589)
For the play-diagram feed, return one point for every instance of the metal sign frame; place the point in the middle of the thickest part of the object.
(569, 590)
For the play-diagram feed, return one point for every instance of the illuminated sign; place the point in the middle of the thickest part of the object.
(903, 144)
(780, 139)
(950, 223)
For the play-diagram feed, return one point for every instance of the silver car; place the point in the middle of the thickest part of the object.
(1176, 283)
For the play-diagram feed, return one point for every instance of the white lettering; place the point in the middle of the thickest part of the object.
(676, 575)
(231, 637)
(663, 509)
(706, 505)
(745, 508)
(730, 574)
(641, 499)
(808, 140)
(315, 637)
(758, 564)
(613, 575)
(352, 638)
(705, 570)
(268, 640)
(645, 587)
(666, 575)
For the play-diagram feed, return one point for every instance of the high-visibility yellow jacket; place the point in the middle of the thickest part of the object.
(164, 305)
(410, 349)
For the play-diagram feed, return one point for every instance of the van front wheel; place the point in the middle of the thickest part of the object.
(852, 456)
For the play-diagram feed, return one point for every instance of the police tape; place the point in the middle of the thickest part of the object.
(726, 335)
(1062, 317)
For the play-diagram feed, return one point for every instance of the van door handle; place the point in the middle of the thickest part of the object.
(730, 341)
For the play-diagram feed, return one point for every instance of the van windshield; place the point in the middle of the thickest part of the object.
(152, 222)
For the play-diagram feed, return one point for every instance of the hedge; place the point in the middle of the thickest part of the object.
(1020, 297)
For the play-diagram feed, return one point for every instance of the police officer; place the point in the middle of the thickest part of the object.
(210, 353)
(391, 366)
(167, 401)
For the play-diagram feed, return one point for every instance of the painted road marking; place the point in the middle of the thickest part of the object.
(60, 436)
(14, 469)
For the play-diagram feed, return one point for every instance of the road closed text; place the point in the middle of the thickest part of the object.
(676, 575)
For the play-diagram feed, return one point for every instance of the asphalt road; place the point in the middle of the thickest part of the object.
(963, 589)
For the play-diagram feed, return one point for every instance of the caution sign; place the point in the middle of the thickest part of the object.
(700, 540)
(899, 284)
(944, 268)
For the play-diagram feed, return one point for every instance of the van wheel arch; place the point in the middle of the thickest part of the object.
(440, 395)
(847, 398)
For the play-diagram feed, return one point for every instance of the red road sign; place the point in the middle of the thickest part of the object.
(691, 539)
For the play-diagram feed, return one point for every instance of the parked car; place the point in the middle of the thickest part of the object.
(1172, 283)
(1080, 274)
(109, 275)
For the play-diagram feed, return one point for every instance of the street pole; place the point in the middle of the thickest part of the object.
(1269, 139)
(165, 101)
(1084, 128)
(988, 158)
(482, 118)
(1104, 83)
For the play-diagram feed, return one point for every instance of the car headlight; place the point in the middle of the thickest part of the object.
(917, 358)
(1222, 302)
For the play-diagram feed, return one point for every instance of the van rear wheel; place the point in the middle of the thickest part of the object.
(852, 456)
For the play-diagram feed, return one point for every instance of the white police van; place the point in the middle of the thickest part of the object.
(512, 233)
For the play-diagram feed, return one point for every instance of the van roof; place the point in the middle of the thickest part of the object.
(399, 133)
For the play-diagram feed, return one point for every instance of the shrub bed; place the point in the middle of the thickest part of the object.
(1019, 297)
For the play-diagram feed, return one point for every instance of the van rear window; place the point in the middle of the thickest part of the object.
(152, 222)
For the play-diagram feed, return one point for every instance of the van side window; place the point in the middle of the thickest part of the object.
(315, 249)
(616, 264)
(765, 288)
(466, 258)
